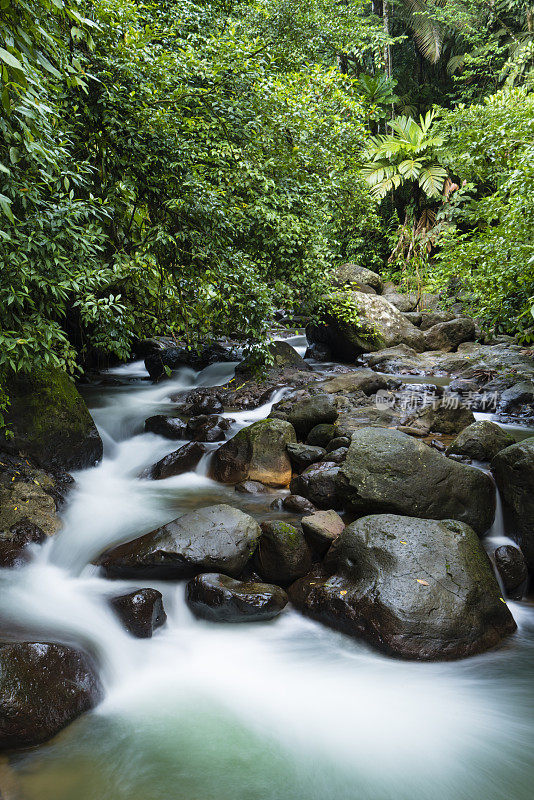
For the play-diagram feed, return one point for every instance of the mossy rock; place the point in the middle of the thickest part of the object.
(50, 421)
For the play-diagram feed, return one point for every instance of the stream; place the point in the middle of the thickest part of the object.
(281, 710)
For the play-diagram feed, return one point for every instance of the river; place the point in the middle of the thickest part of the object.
(283, 710)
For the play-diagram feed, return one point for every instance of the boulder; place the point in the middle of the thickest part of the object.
(282, 555)
(513, 469)
(404, 301)
(318, 483)
(318, 352)
(256, 453)
(336, 456)
(140, 611)
(377, 324)
(448, 335)
(185, 459)
(208, 428)
(252, 487)
(43, 687)
(511, 566)
(387, 471)
(203, 405)
(49, 421)
(172, 357)
(321, 435)
(365, 380)
(302, 455)
(168, 427)
(337, 443)
(321, 529)
(481, 441)
(414, 317)
(415, 588)
(14, 542)
(218, 598)
(305, 414)
(443, 416)
(296, 504)
(216, 537)
(431, 318)
(347, 274)
(283, 358)
(519, 394)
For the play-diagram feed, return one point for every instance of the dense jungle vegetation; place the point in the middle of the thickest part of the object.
(187, 166)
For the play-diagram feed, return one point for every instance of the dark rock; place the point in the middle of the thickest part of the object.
(441, 417)
(339, 441)
(217, 537)
(306, 413)
(414, 317)
(431, 318)
(321, 435)
(318, 352)
(207, 405)
(321, 528)
(169, 427)
(512, 568)
(517, 395)
(336, 456)
(219, 598)
(283, 357)
(481, 441)
(256, 453)
(13, 542)
(174, 357)
(513, 469)
(415, 588)
(302, 455)
(207, 428)
(140, 611)
(43, 687)
(185, 459)
(319, 484)
(49, 421)
(297, 504)
(389, 472)
(282, 555)
(448, 335)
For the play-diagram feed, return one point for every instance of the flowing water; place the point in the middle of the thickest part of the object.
(284, 710)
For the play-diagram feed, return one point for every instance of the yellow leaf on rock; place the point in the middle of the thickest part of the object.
(343, 591)
(424, 583)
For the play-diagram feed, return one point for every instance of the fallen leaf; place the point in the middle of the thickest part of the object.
(343, 591)
(424, 583)
(402, 542)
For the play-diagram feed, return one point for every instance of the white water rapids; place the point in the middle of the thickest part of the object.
(284, 710)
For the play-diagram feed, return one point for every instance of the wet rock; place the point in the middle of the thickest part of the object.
(517, 395)
(321, 435)
(347, 274)
(379, 325)
(402, 359)
(49, 421)
(511, 566)
(140, 611)
(448, 335)
(481, 441)
(217, 537)
(43, 687)
(415, 588)
(29, 494)
(513, 469)
(282, 554)
(441, 417)
(336, 456)
(218, 598)
(252, 487)
(14, 542)
(256, 453)
(176, 356)
(321, 529)
(302, 455)
(389, 472)
(284, 357)
(297, 504)
(207, 428)
(319, 484)
(306, 413)
(185, 459)
(168, 427)
(207, 405)
(365, 380)
(339, 441)
(431, 318)
(318, 352)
